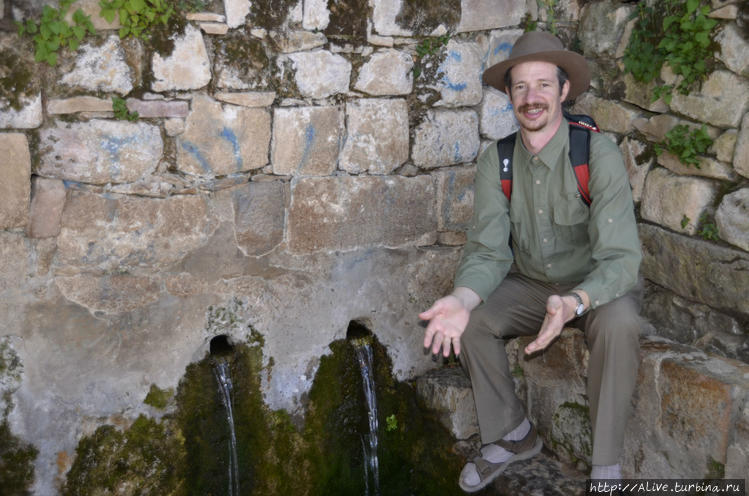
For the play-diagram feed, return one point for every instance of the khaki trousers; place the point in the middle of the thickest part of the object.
(517, 308)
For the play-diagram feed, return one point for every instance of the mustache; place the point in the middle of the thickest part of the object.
(533, 106)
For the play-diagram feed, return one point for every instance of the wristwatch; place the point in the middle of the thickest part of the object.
(580, 307)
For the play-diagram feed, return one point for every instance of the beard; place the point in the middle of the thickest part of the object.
(532, 125)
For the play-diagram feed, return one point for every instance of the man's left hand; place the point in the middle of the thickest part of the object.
(559, 311)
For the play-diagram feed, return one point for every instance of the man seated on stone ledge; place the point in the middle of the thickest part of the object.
(573, 264)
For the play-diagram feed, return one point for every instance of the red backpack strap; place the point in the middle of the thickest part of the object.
(580, 128)
(505, 150)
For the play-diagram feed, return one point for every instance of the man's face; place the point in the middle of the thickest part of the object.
(535, 95)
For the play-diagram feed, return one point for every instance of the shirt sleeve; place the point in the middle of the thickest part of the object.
(486, 255)
(615, 245)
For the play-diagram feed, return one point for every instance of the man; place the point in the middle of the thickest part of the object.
(572, 263)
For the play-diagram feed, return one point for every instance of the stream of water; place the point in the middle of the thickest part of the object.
(369, 446)
(221, 371)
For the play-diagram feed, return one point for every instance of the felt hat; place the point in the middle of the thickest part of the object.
(544, 47)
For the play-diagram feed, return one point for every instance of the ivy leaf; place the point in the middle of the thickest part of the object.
(52, 58)
(692, 5)
(79, 32)
(73, 44)
(124, 31)
(108, 14)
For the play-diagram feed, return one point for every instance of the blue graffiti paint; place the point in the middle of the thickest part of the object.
(193, 150)
(455, 56)
(456, 152)
(229, 136)
(309, 138)
(502, 47)
(454, 86)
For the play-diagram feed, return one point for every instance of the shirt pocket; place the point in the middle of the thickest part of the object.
(571, 218)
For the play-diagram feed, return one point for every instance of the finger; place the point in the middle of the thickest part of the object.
(446, 347)
(437, 342)
(431, 312)
(456, 346)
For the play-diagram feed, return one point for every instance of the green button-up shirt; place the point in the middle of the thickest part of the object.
(555, 236)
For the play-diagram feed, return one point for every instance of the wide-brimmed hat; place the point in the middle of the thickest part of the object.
(544, 47)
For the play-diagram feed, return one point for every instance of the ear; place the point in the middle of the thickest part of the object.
(565, 90)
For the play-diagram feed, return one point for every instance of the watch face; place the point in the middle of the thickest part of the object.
(579, 310)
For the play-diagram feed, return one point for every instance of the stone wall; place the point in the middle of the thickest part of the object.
(297, 165)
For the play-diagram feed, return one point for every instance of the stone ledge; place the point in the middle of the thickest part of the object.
(689, 409)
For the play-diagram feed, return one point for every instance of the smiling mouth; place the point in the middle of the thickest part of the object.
(532, 110)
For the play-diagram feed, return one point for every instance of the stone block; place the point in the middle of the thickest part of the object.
(344, 213)
(734, 49)
(448, 392)
(454, 198)
(676, 202)
(638, 159)
(15, 187)
(609, 115)
(732, 218)
(220, 141)
(685, 410)
(460, 75)
(602, 24)
(297, 41)
(187, 67)
(720, 102)
(737, 460)
(259, 215)
(724, 145)
(112, 295)
(377, 136)
(320, 73)
(114, 234)
(386, 72)
(656, 127)
(248, 99)
(101, 68)
(157, 109)
(306, 140)
(236, 11)
(707, 167)
(446, 137)
(316, 15)
(47, 203)
(99, 151)
(78, 104)
(741, 153)
(641, 94)
(29, 116)
(93, 9)
(498, 45)
(715, 275)
(384, 15)
(217, 28)
(479, 15)
(725, 12)
(497, 119)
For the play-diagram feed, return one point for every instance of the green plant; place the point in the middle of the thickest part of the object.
(676, 32)
(392, 423)
(136, 16)
(121, 111)
(53, 31)
(551, 18)
(685, 144)
(708, 230)
(428, 46)
(685, 221)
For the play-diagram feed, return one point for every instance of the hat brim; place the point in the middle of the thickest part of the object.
(573, 64)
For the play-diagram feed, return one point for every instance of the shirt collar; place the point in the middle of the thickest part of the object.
(549, 154)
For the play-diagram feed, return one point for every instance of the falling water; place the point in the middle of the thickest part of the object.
(371, 464)
(221, 371)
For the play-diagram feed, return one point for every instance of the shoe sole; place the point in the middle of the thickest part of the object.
(536, 449)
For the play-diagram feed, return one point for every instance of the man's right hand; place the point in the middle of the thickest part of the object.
(448, 318)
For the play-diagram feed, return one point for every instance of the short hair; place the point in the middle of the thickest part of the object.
(561, 76)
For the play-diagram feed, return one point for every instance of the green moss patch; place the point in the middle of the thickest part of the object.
(348, 20)
(187, 452)
(16, 463)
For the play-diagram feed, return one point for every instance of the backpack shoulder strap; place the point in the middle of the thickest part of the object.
(580, 128)
(505, 149)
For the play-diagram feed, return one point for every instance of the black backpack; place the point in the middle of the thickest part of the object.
(580, 128)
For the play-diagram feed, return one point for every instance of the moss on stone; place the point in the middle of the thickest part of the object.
(348, 20)
(16, 463)
(424, 16)
(18, 82)
(270, 14)
(715, 469)
(143, 459)
(157, 397)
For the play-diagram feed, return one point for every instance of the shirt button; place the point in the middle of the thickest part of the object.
(611, 220)
(597, 302)
(538, 181)
(540, 211)
(546, 240)
(548, 266)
